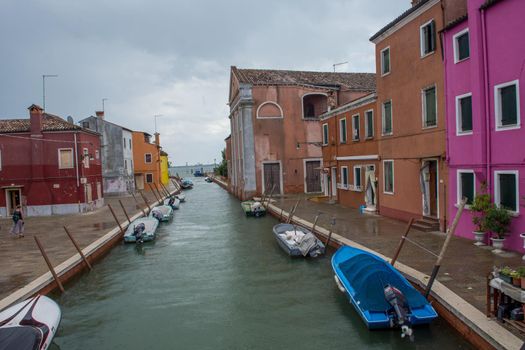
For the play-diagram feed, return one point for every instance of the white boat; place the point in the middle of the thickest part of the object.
(29, 325)
(141, 230)
(173, 202)
(162, 213)
(181, 197)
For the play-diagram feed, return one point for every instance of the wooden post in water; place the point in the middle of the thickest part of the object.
(281, 216)
(78, 248)
(145, 201)
(292, 211)
(124, 210)
(396, 255)
(51, 269)
(270, 197)
(315, 222)
(160, 194)
(137, 202)
(168, 194)
(116, 219)
(450, 233)
(154, 194)
(332, 224)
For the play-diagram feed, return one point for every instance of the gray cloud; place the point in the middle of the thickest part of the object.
(172, 57)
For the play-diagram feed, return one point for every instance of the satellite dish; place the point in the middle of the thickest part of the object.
(70, 119)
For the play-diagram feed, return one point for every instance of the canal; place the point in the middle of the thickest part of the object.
(215, 279)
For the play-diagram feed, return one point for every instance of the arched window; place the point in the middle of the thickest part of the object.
(269, 110)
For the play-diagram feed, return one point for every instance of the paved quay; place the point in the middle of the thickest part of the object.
(20, 258)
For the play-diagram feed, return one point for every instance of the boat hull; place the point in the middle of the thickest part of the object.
(149, 233)
(294, 251)
(362, 277)
(247, 208)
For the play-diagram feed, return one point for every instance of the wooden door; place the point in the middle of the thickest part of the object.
(272, 177)
(13, 196)
(313, 176)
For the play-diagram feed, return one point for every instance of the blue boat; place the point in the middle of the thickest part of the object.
(380, 294)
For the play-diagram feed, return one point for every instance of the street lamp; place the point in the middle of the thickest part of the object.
(44, 76)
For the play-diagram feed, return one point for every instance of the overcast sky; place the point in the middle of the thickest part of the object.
(172, 57)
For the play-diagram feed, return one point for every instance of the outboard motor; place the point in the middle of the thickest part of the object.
(398, 301)
(138, 232)
(171, 201)
(157, 214)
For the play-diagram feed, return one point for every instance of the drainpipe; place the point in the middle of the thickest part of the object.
(487, 102)
(76, 159)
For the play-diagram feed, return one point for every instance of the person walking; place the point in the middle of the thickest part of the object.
(18, 223)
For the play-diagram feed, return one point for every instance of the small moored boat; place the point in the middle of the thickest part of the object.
(253, 208)
(208, 179)
(29, 325)
(173, 202)
(141, 230)
(162, 213)
(186, 183)
(181, 197)
(298, 241)
(380, 294)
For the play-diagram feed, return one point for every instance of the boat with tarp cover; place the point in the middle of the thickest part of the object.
(30, 324)
(163, 213)
(253, 208)
(141, 230)
(297, 241)
(380, 294)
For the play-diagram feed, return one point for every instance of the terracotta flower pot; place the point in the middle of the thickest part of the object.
(516, 281)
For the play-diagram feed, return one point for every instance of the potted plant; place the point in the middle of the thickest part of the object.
(505, 273)
(516, 278)
(497, 221)
(521, 271)
(479, 207)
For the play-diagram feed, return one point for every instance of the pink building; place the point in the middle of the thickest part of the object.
(484, 60)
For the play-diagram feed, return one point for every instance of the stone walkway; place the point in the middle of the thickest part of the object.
(20, 259)
(463, 270)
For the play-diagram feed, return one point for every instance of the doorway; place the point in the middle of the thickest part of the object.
(13, 199)
(272, 177)
(333, 180)
(312, 176)
(429, 187)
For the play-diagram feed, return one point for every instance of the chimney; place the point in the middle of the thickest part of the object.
(35, 119)
(157, 139)
(100, 114)
(415, 2)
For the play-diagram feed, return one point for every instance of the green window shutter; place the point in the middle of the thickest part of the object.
(357, 179)
(507, 191)
(387, 127)
(509, 111)
(430, 105)
(370, 123)
(463, 46)
(325, 134)
(386, 61)
(389, 186)
(466, 113)
(467, 186)
(432, 29)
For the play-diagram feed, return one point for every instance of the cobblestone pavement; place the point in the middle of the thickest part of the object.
(20, 259)
(463, 270)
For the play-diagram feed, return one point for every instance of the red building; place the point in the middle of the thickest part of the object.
(48, 165)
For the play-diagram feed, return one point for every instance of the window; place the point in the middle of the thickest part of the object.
(429, 107)
(147, 158)
(507, 106)
(124, 143)
(355, 127)
(85, 125)
(309, 110)
(149, 178)
(461, 46)
(325, 134)
(388, 176)
(344, 177)
(65, 158)
(464, 114)
(385, 61)
(357, 178)
(369, 124)
(126, 166)
(466, 186)
(342, 130)
(129, 143)
(387, 118)
(427, 35)
(506, 188)
(85, 157)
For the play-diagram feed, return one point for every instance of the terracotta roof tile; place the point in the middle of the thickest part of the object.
(50, 123)
(354, 81)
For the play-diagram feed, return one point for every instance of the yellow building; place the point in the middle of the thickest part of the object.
(164, 175)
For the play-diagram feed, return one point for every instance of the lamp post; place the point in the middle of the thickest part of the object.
(44, 76)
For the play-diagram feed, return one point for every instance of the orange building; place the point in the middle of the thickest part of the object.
(350, 153)
(410, 104)
(146, 159)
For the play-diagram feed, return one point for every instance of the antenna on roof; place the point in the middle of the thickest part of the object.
(338, 64)
(70, 119)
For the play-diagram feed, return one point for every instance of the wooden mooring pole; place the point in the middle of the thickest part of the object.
(450, 233)
(292, 211)
(124, 210)
(116, 219)
(168, 194)
(332, 224)
(51, 269)
(269, 199)
(154, 194)
(78, 248)
(138, 205)
(403, 238)
(315, 221)
(160, 194)
(145, 201)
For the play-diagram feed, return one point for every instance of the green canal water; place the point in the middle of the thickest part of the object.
(215, 279)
